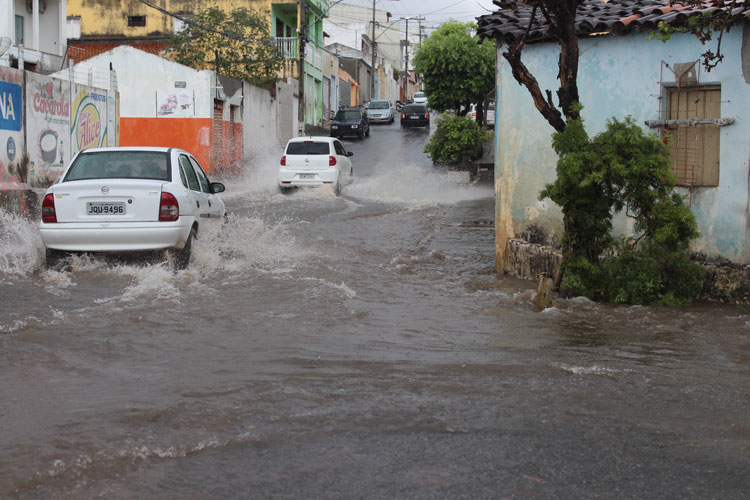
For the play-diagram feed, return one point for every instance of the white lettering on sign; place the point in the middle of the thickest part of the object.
(6, 106)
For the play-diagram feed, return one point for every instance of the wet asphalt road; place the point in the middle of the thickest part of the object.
(358, 346)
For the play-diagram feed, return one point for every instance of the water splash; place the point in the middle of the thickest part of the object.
(414, 184)
(21, 247)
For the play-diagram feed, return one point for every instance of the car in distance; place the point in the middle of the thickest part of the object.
(380, 111)
(419, 98)
(415, 115)
(350, 121)
(315, 161)
(127, 200)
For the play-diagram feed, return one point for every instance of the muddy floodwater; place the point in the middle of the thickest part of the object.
(356, 347)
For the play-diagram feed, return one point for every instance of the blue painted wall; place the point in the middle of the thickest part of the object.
(620, 76)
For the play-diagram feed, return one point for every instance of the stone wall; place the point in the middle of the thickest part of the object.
(725, 282)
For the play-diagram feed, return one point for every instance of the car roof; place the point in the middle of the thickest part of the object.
(151, 149)
(317, 138)
(380, 100)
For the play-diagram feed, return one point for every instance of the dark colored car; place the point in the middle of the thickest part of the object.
(350, 121)
(415, 115)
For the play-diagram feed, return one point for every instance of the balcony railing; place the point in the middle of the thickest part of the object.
(288, 47)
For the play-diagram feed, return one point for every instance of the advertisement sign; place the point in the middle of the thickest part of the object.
(12, 168)
(88, 124)
(175, 103)
(48, 128)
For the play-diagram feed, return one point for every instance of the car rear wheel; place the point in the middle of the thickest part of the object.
(182, 257)
(53, 258)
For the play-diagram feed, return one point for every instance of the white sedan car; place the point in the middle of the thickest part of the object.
(315, 161)
(122, 200)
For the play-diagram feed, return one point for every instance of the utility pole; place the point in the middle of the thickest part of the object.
(406, 59)
(301, 35)
(372, 49)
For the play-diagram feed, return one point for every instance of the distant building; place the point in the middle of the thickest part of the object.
(32, 34)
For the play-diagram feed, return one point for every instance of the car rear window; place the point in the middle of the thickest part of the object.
(308, 148)
(415, 108)
(348, 115)
(120, 165)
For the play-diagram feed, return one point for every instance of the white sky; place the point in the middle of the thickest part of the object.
(435, 12)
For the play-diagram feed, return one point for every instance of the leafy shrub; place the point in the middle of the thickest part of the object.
(622, 169)
(456, 139)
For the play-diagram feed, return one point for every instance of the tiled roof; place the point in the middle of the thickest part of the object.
(596, 16)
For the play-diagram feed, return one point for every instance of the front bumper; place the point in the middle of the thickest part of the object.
(115, 236)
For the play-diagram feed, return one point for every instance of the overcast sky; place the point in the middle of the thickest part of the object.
(435, 12)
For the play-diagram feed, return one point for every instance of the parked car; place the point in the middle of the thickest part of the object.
(380, 110)
(419, 98)
(315, 161)
(350, 121)
(123, 200)
(489, 114)
(415, 115)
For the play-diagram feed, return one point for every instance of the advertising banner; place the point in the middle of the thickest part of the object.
(13, 187)
(175, 103)
(88, 123)
(48, 128)
(12, 167)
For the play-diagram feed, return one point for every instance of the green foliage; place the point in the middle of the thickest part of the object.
(456, 139)
(456, 70)
(238, 44)
(622, 169)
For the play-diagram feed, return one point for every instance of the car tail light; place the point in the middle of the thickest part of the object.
(169, 209)
(474, 115)
(48, 208)
(403, 115)
(283, 161)
(331, 161)
(427, 115)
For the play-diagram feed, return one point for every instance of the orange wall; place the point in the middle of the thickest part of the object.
(191, 134)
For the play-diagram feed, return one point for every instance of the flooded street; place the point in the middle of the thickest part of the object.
(358, 346)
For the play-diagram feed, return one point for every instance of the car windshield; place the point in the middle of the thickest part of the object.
(120, 165)
(307, 148)
(412, 108)
(419, 94)
(378, 105)
(348, 115)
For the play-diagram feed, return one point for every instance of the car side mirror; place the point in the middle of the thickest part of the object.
(217, 187)
(349, 153)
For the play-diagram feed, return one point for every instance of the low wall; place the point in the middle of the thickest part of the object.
(727, 283)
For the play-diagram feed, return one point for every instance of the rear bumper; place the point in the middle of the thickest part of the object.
(291, 178)
(115, 237)
(407, 122)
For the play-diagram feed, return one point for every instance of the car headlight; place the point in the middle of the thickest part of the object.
(355, 126)
(334, 127)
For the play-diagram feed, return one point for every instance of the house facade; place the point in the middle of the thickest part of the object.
(32, 34)
(662, 86)
(102, 25)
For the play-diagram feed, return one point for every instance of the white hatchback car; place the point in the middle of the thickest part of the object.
(122, 200)
(419, 98)
(315, 161)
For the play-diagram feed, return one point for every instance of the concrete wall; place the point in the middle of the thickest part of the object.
(620, 76)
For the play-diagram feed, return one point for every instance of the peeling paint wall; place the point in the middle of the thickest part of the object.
(619, 76)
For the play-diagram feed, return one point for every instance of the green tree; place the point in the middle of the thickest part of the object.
(456, 140)
(236, 44)
(455, 69)
(622, 168)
